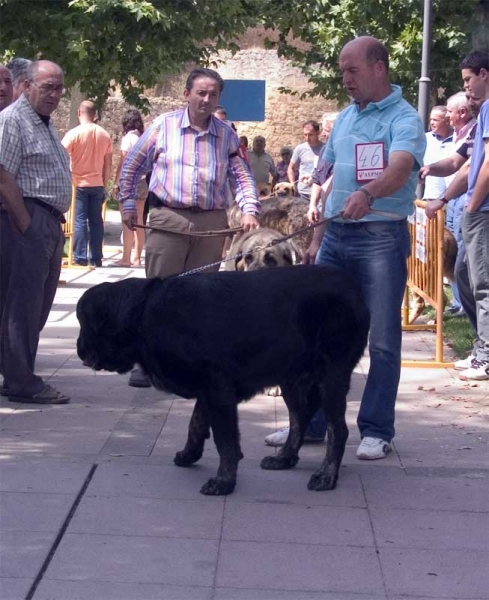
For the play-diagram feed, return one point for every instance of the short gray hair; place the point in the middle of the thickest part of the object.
(458, 101)
(19, 69)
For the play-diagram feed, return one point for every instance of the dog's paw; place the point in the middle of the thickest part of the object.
(218, 487)
(184, 458)
(278, 463)
(320, 482)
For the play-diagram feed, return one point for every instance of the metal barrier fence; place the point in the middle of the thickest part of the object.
(425, 277)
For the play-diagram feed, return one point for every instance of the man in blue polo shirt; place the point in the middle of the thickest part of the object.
(377, 147)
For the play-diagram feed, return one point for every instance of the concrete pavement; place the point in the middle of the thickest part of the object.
(92, 507)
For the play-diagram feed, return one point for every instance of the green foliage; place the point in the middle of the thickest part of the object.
(135, 43)
(328, 24)
(460, 334)
(130, 43)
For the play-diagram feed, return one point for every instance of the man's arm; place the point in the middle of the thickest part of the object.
(13, 201)
(443, 168)
(319, 231)
(274, 174)
(456, 188)
(482, 182)
(396, 174)
(291, 172)
(107, 170)
(244, 184)
(138, 162)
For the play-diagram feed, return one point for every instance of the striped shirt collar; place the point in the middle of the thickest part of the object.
(185, 122)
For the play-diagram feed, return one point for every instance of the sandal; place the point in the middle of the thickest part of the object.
(48, 395)
(119, 263)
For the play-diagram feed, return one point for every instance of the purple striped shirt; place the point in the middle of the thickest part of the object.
(189, 168)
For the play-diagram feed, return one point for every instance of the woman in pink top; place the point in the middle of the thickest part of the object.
(132, 128)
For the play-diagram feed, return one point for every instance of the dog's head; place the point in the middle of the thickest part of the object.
(257, 254)
(284, 188)
(109, 316)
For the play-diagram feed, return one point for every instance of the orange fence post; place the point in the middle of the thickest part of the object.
(425, 277)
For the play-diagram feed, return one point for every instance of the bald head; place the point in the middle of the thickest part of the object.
(87, 112)
(6, 87)
(364, 63)
(43, 68)
(369, 48)
(44, 86)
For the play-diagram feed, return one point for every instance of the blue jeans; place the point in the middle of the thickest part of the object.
(89, 225)
(454, 213)
(475, 229)
(375, 254)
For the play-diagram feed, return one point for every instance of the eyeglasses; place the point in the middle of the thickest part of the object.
(49, 88)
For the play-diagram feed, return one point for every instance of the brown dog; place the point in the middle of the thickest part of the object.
(284, 214)
(253, 251)
(450, 249)
(284, 188)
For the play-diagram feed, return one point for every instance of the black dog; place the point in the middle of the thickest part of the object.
(223, 337)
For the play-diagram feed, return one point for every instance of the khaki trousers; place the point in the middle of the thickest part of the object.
(171, 253)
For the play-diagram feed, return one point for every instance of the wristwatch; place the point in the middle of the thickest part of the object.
(368, 195)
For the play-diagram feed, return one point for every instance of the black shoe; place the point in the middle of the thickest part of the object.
(95, 263)
(80, 263)
(139, 379)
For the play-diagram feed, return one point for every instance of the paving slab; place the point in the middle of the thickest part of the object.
(441, 573)
(305, 567)
(135, 559)
(51, 589)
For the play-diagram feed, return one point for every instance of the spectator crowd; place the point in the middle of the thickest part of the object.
(183, 171)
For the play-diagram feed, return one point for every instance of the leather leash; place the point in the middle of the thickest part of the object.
(373, 211)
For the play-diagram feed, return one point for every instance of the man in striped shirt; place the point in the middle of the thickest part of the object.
(194, 157)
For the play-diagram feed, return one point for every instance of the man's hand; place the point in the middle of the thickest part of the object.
(311, 252)
(432, 207)
(249, 222)
(313, 214)
(356, 206)
(424, 172)
(23, 225)
(130, 219)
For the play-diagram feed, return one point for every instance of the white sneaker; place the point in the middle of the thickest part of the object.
(278, 438)
(479, 370)
(464, 363)
(373, 448)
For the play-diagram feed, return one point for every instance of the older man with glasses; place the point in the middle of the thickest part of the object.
(35, 187)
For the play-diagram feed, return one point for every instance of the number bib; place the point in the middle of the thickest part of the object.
(369, 161)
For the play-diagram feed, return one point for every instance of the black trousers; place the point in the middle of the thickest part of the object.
(30, 265)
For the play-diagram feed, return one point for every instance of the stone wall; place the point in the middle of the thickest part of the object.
(284, 113)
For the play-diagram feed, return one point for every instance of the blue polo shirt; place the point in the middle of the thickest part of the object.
(478, 154)
(393, 122)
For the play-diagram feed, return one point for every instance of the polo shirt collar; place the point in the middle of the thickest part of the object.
(392, 98)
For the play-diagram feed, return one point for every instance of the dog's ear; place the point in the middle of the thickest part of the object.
(112, 308)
